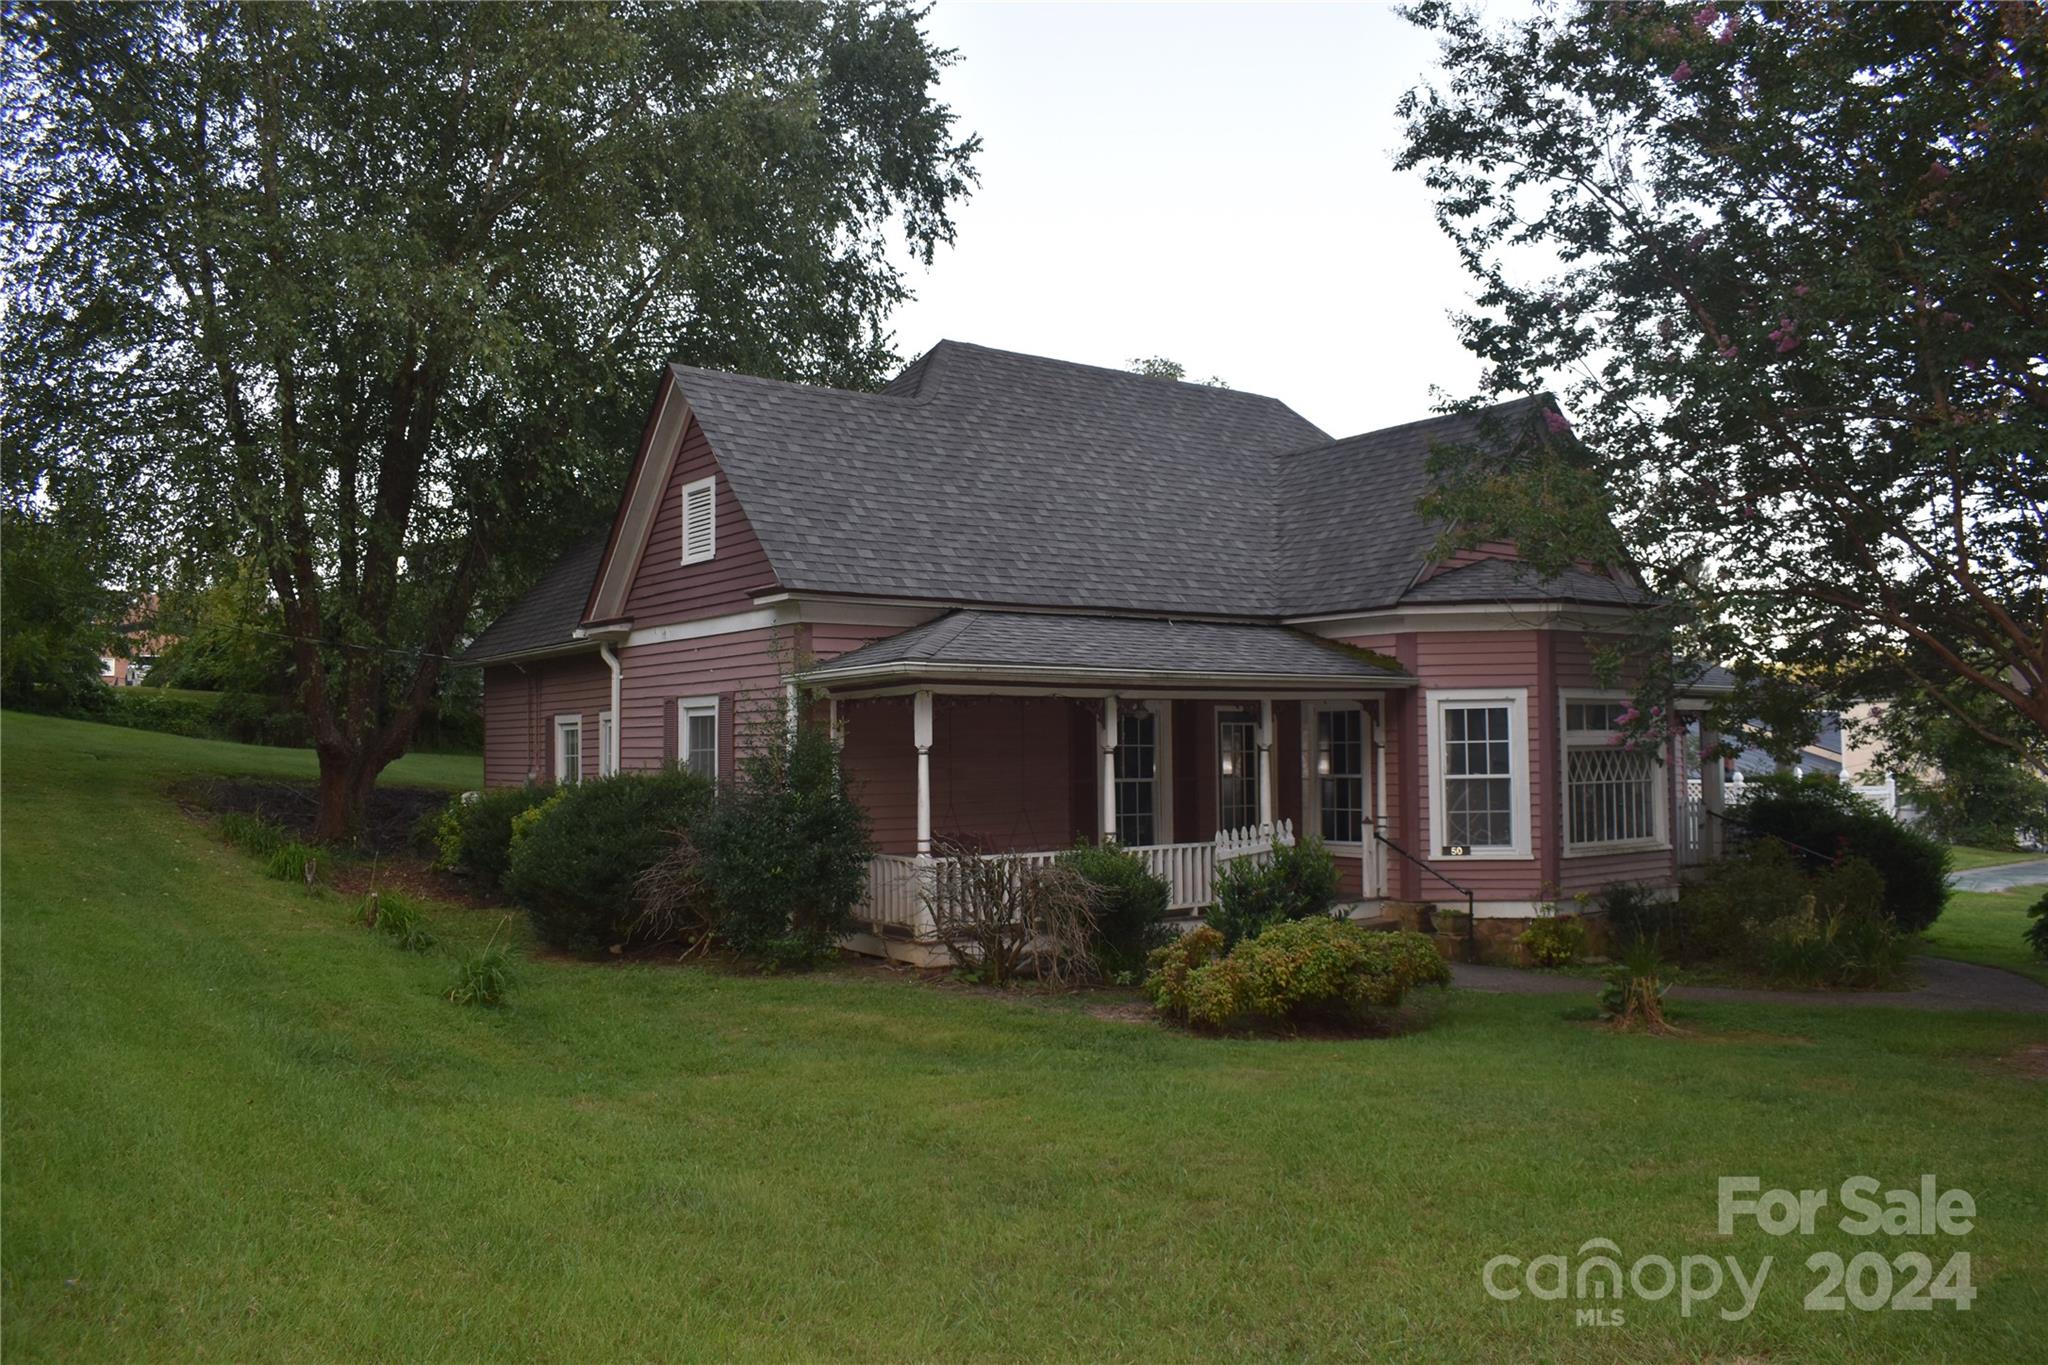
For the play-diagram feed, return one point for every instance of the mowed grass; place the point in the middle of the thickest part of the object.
(1987, 926)
(1963, 857)
(239, 1126)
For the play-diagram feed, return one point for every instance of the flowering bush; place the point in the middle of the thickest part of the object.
(1302, 971)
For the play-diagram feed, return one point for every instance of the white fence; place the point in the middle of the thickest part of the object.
(899, 884)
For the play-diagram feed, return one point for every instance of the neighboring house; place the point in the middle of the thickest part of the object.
(141, 646)
(1043, 602)
(1822, 757)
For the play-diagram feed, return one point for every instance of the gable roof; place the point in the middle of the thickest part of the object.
(545, 620)
(1108, 646)
(991, 478)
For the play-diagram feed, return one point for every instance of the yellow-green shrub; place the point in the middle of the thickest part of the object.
(1295, 972)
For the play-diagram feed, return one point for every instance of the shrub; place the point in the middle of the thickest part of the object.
(252, 834)
(2037, 932)
(486, 976)
(1130, 907)
(785, 849)
(994, 915)
(1635, 912)
(475, 832)
(575, 857)
(291, 861)
(671, 902)
(1297, 881)
(1554, 940)
(194, 715)
(1296, 972)
(1823, 815)
(1761, 911)
(399, 918)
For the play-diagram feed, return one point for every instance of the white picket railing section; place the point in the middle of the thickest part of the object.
(898, 883)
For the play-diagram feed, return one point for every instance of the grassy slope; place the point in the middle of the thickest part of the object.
(1962, 857)
(1985, 926)
(247, 1129)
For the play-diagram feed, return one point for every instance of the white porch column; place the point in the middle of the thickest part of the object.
(921, 735)
(1110, 708)
(1265, 761)
(1710, 792)
(832, 723)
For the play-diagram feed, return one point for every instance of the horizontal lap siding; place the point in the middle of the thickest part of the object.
(521, 702)
(744, 670)
(664, 588)
(829, 639)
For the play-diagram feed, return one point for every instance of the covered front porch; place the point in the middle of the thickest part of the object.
(1165, 737)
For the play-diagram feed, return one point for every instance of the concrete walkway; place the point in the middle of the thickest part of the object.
(2001, 878)
(1944, 985)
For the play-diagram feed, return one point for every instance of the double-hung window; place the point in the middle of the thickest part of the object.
(697, 735)
(1137, 778)
(1479, 750)
(568, 749)
(1237, 769)
(1610, 791)
(1340, 774)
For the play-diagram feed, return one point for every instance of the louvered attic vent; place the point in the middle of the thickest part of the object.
(700, 520)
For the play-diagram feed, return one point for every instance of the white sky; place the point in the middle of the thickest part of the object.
(1212, 183)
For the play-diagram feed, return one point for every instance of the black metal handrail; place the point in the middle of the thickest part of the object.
(1471, 919)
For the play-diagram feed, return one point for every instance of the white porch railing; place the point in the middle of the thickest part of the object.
(899, 883)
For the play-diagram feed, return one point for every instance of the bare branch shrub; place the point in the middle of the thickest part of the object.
(671, 900)
(1000, 915)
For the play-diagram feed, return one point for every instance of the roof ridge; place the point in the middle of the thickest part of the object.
(1408, 426)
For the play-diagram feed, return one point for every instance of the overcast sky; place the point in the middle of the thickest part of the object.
(1211, 183)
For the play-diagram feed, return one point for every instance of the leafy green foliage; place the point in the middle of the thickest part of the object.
(1554, 940)
(1802, 372)
(1826, 817)
(2037, 932)
(485, 976)
(1130, 907)
(53, 617)
(1762, 911)
(576, 856)
(785, 848)
(399, 918)
(1297, 972)
(289, 860)
(252, 834)
(1633, 996)
(1299, 880)
(363, 291)
(475, 835)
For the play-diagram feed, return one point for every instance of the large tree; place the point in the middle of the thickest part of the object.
(377, 293)
(1785, 265)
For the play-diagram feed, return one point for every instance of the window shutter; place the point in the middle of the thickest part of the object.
(700, 520)
(671, 736)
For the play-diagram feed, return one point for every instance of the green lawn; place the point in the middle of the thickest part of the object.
(1962, 857)
(236, 1126)
(1985, 926)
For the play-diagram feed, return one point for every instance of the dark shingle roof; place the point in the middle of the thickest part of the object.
(547, 617)
(1107, 645)
(1505, 580)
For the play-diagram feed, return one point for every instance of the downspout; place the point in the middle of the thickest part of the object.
(618, 669)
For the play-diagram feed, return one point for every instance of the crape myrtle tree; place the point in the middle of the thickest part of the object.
(375, 293)
(1784, 265)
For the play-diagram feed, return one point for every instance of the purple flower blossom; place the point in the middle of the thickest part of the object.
(1802, 290)
(1556, 421)
(1703, 19)
(1728, 30)
(1628, 715)
(1727, 348)
(1683, 71)
(1938, 172)
(1786, 334)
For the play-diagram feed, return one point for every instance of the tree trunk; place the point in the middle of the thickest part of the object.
(346, 779)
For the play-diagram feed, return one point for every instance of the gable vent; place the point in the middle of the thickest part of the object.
(700, 520)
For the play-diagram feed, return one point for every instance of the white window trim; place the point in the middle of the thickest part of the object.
(690, 490)
(605, 741)
(685, 708)
(1162, 769)
(562, 722)
(1516, 699)
(1311, 780)
(1660, 795)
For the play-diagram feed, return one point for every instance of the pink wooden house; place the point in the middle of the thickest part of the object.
(1043, 602)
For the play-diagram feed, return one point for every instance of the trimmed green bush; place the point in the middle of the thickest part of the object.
(1304, 971)
(575, 857)
(1130, 908)
(475, 831)
(1824, 816)
(1297, 881)
(1554, 940)
(400, 918)
(252, 834)
(785, 850)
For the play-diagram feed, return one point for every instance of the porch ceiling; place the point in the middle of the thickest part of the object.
(1103, 650)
